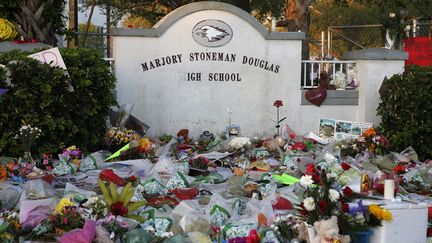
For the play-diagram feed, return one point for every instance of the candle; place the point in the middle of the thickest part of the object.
(389, 186)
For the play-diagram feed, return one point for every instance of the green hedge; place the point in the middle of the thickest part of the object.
(39, 96)
(406, 111)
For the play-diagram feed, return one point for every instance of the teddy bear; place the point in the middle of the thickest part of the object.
(327, 231)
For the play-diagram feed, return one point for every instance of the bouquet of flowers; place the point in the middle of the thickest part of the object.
(9, 226)
(373, 141)
(115, 225)
(361, 218)
(96, 208)
(69, 218)
(286, 226)
(116, 138)
(321, 200)
(28, 135)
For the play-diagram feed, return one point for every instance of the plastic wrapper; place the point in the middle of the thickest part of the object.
(76, 193)
(37, 189)
(186, 207)
(137, 236)
(102, 235)
(178, 180)
(218, 210)
(164, 168)
(182, 167)
(268, 190)
(85, 235)
(233, 230)
(264, 207)
(198, 237)
(32, 212)
(93, 161)
(235, 185)
(194, 222)
(10, 196)
(64, 168)
(153, 186)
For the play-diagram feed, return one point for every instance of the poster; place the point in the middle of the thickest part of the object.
(51, 56)
(332, 129)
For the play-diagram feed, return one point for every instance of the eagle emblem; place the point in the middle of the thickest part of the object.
(212, 33)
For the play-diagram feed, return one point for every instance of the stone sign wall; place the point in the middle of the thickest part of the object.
(202, 61)
(209, 64)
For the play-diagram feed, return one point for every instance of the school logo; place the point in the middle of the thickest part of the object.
(212, 33)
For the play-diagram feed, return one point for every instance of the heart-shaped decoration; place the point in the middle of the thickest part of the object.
(316, 96)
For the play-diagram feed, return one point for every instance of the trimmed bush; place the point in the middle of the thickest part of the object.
(406, 111)
(40, 96)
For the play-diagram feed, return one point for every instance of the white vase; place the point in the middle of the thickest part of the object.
(311, 232)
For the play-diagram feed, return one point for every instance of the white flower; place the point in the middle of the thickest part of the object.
(239, 142)
(408, 28)
(392, 15)
(334, 195)
(306, 180)
(309, 203)
(332, 175)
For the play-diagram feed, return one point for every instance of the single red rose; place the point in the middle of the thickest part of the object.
(119, 209)
(345, 166)
(292, 135)
(278, 103)
(322, 206)
(347, 191)
(345, 207)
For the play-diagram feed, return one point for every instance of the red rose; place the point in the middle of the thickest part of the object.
(347, 191)
(322, 206)
(345, 207)
(345, 166)
(278, 103)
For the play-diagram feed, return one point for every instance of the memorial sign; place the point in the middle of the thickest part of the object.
(200, 60)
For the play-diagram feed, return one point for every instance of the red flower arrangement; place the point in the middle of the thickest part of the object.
(119, 209)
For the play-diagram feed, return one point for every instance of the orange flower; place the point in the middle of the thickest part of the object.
(144, 145)
(370, 132)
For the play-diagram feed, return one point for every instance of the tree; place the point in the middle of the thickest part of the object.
(35, 19)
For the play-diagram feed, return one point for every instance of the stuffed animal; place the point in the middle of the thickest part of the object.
(327, 231)
(273, 144)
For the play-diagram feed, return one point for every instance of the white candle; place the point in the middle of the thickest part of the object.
(389, 186)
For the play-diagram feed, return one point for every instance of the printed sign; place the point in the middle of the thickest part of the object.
(331, 129)
(51, 56)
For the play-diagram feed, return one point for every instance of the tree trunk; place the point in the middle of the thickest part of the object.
(72, 23)
(88, 23)
(297, 18)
